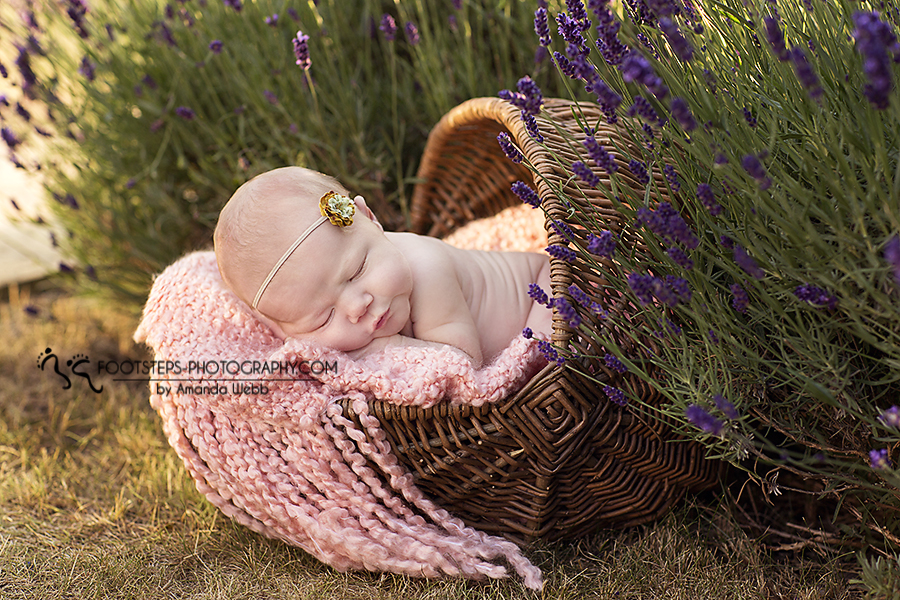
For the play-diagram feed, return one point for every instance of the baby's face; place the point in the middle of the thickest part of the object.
(342, 287)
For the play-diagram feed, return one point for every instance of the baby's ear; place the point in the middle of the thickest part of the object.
(360, 203)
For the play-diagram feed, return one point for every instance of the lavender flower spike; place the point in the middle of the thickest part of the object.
(388, 27)
(879, 459)
(704, 421)
(512, 153)
(892, 256)
(542, 26)
(873, 40)
(746, 262)
(301, 50)
(805, 72)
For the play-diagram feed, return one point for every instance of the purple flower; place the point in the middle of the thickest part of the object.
(600, 156)
(615, 395)
(3, 72)
(585, 173)
(680, 46)
(216, 46)
(531, 126)
(292, 13)
(22, 111)
(672, 177)
(562, 228)
(567, 312)
(527, 333)
(512, 153)
(388, 27)
(740, 300)
(746, 262)
(31, 310)
(614, 364)
(570, 30)
(680, 258)
(29, 79)
(704, 421)
(561, 252)
(88, 68)
(270, 96)
(584, 300)
(713, 337)
(235, 4)
(412, 33)
(637, 68)
(526, 194)
(890, 417)
(815, 296)
(542, 26)
(549, 352)
(301, 51)
(607, 98)
(874, 39)
(748, 116)
(10, 138)
(879, 459)
(706, 197)
(603, 244)
(608, 43)
(272, 21)
(77, 9)
(538, 295)
(670, 291)
(892, 255)
(564, 65)
(528, 98)
(755, 169)
(185, 113)
(149, 82)
(682, 113)
(666, 222)
(725, 406)
(775, 38)
(639, 170)
(642, 286)
(643, 109)
(805, 73)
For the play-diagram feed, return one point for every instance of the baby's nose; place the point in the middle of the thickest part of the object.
(360, 307)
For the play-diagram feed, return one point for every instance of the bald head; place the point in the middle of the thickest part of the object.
(261, 221)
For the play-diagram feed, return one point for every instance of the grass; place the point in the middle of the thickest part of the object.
(94, 504)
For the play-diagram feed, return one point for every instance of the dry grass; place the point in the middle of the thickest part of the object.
(94, 504)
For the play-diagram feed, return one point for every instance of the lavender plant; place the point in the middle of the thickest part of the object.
(144, 116)
(759, 189)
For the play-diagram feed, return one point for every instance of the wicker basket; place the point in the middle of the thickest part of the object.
(558, 459)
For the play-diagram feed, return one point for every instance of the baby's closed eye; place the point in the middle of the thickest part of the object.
(361, 269)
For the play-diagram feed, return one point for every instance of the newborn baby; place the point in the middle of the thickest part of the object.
(315, 265)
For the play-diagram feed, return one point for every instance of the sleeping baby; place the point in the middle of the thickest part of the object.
(314, 264)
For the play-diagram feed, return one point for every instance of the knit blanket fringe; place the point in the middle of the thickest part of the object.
(287, 463)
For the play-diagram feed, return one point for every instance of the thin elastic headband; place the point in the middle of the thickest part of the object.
(283, 259)
(335, 208)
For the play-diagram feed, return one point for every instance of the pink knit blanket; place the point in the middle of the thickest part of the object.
(257, 423)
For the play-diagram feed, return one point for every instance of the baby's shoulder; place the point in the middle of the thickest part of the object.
(421, 250)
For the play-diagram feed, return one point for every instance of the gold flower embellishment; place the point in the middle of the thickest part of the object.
(339, 209)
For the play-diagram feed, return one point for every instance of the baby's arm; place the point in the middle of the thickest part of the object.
(440, 312)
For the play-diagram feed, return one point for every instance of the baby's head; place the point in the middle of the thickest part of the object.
(308, 276)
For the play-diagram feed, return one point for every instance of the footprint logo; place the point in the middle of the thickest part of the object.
(75, 362)
(45, 357)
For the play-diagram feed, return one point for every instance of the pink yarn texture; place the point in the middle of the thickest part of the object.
(287, 463)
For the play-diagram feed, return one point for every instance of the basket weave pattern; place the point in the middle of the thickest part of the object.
(558, 459)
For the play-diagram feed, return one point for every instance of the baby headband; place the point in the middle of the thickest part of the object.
(335, 208)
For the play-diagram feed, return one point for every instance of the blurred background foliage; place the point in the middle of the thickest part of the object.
(144, 116)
